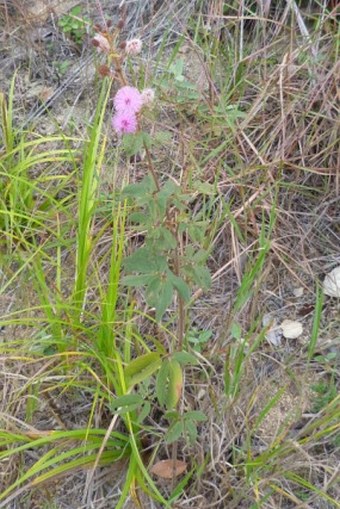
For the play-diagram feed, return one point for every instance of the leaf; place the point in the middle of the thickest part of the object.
(134, 143)
(161, 382)
(76, 11)
(145, 410)
(126, 403)
(236, 330)
(162, 197)
(181, 286)
(137, 281)
(175, 384)
(177, 67)
(200, 256)
(140, 190)
(168, 189)
(195, 415)
(168, 469)
(169, 384)
(196, 232)
(159, 295)
(172, 415)
(141, 368)
(199, 337)
(174, 432)
(191, 431)
(202, 277)
(185, 358)
(141, 260)
(140, 218)
(140, 363)
(163, 238)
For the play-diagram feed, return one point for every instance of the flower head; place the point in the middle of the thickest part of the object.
(128, 99)
(124, 122)
(133, 47)
(101, 43)
(104, 70)
(148, 96)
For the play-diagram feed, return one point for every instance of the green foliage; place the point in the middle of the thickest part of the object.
(240, 350)
(185, 358)
(153, 263)
(74, 24)
(127, 403)
(184, 425)
(142, 368)
(71, 449)
(183, 90)
(134, 143)
(169, 383)
(325, 394)
(62, 67)
(29, 200)
(93, 155)
(198, 339)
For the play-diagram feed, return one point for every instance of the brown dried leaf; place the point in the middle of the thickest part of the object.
(167, 469)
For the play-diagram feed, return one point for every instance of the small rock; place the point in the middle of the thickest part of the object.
(298, 292)
(291, 329)
(331, 284)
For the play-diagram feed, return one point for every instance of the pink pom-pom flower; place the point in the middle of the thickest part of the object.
(128, 99)
(133, 47)
(124, 122)
(148, 96)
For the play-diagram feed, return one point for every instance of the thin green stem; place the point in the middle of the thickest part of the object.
(151, 168)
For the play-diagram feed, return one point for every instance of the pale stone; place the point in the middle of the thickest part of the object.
(298, 292)
(331, 284)
(291, 329)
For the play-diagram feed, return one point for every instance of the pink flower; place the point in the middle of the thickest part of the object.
(128, 99)
(124, 122)
(133, 47)
(101, 43)
(148, 96)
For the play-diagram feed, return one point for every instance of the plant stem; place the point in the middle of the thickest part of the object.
(174, 460)
(119, 71)
(181, 304)
(151, 168)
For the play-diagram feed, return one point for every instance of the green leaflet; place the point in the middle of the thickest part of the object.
(141, 368)
(169, 384)
(126, 403)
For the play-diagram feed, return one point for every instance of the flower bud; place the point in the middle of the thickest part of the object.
(104, 70)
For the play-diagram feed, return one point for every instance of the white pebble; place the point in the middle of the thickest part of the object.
(298, 292)
(331, 284)
(291, 329)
